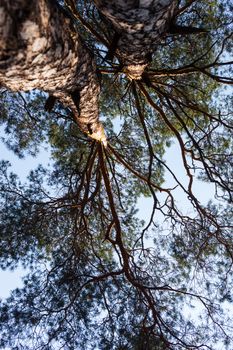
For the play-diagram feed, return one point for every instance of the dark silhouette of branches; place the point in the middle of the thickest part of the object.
(99, 276)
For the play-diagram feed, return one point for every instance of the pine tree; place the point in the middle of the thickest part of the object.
(96, 281)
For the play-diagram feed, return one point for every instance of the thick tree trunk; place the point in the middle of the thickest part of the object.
(39, 49)
(139, 25)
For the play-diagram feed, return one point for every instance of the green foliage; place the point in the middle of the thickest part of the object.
(100, 278)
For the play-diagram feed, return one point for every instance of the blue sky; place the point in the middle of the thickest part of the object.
(9, 280)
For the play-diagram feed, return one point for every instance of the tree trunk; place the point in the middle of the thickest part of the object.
(39, 49)
(139, 25)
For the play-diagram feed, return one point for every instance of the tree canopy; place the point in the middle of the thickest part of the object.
(111, 86)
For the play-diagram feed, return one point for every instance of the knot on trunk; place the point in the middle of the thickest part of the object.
(135, 71)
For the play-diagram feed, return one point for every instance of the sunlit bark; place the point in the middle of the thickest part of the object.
(39, 49)
(139, 25)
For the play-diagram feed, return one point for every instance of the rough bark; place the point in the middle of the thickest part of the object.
(139, 25)
(39, 49)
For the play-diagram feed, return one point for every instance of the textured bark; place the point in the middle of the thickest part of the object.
(39, 49)
(139, 26)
